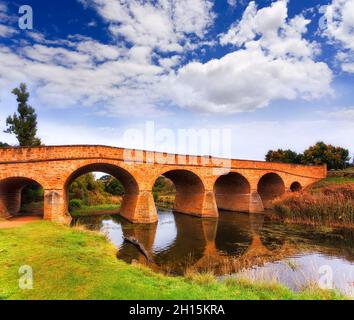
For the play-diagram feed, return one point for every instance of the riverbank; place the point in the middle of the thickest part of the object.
(330, 202)
(69, 263)
(102, 209)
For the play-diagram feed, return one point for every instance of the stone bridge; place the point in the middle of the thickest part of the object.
(203, 184)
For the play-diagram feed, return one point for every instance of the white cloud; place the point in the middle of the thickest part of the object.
(272, 61)
(337, 25)
(165, 25)
(62, 77)
(5, 29)
(346, 114)
(348, 67)
(248, 143)
(232, 3)
(110, 77)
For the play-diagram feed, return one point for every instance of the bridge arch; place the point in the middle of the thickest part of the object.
(232, 192)
(295, 187)
(11, 197)
(190, 191)
(270, 186)
(130, 184)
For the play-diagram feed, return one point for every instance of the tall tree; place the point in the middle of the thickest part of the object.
(280, 155)
(23, 123)
(334, 157)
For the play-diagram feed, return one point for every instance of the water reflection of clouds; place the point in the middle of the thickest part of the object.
(113, 231)
(303, 270)
(166, 233)
(296, 270)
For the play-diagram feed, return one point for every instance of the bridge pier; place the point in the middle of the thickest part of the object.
(256, 203)
(55, 206)
(10, 202)
(201, 204)
(139, 208)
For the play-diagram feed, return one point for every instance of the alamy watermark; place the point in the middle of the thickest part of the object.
(325, 280)
(187, 146)
(25, 281)
(25, 21)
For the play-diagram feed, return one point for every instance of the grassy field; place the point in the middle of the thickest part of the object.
(330, 181)
(93, 210)
(70, 263)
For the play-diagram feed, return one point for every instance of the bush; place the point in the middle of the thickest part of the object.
(75, 204)
(328, 205)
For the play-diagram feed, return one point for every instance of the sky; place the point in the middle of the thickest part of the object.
(252, 75)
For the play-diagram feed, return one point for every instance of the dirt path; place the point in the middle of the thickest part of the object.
(17, 221)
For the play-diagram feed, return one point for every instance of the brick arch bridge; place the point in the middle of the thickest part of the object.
(203, 184)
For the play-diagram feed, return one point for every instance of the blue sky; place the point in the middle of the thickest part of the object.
(278, 74)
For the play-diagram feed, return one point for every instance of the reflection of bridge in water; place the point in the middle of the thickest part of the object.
(206, 245)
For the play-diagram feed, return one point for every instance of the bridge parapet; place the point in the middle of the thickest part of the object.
(55, 167)
(46, 153)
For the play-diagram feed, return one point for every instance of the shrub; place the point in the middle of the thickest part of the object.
(328, 205)
(75, 204)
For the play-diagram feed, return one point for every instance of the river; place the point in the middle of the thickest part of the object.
(237, 244)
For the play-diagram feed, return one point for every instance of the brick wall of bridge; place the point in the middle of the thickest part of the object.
(54, 168)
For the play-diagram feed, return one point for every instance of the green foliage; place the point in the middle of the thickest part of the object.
(320, 153)
(286, 156)
(32, 193)
(102, 209)
(164, 186)
(75, 204)
(112, 185)
(4, 145)
(156, 196)
(87, 267)
(23, 123)
(334, 157)
(93, 192)
(80, 188)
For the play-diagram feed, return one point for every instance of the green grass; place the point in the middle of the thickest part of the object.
(98, 209)
(69, 263)
(332, 181)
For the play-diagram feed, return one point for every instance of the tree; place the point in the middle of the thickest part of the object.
(112, 185)
(286, 156)
(334, 157)
(23, 123)
(4, 145)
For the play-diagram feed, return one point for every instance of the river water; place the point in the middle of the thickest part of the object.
(237, 244)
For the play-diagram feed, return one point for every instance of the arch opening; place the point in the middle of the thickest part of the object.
(164, 192)
(295, 187)
(182, 190)
(232, 192)
(270, 186)
(100, 188)
(21, 196)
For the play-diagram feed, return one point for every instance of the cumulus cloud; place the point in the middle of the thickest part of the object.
(337, 25)
(271, 60)
(5, 30)
(110, 77)
(165, 25)
(65, 77)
